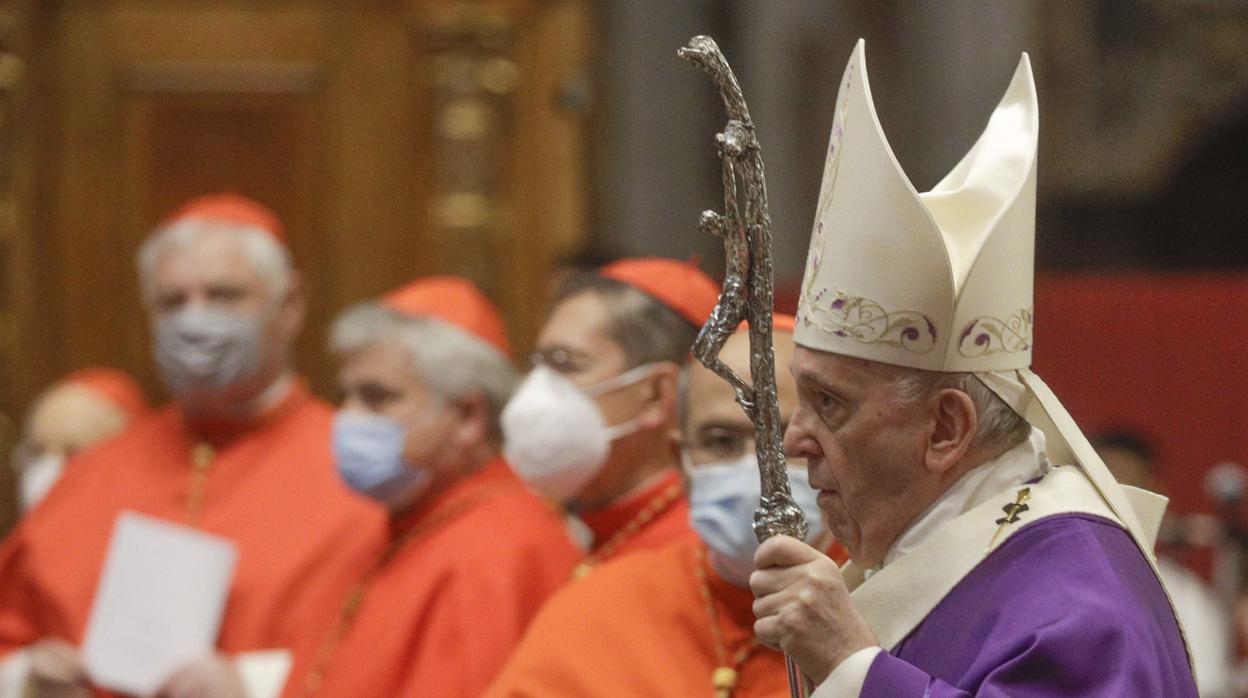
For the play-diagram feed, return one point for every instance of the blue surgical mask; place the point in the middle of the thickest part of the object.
(722, 500)
(369, 451)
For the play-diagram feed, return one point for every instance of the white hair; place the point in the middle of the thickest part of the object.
(452, 362)
(999, 426)
(268, 257)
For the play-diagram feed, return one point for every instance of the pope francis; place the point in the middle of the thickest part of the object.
(992, 554)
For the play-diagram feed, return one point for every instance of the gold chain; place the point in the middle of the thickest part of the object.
(355, 598)
(649, 513)
(728, 669)
(202, 456)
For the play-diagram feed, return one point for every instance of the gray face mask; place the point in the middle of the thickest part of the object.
(207, 349)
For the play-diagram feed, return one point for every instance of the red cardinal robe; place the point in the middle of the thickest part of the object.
(641, 627)
(653, 517)
(447, 602)
(270, 487)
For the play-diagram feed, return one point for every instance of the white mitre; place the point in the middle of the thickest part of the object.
(942, 280)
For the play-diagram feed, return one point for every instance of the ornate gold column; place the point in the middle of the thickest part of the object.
(470, 80)
(13, 242)
(506, 183)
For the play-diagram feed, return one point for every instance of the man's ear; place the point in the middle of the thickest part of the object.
(472, 427)
(294, 307)
(955, 423)
(658, 407)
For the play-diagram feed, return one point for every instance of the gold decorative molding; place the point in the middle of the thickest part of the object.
(471, 80)
(13, 51)
(12, 70)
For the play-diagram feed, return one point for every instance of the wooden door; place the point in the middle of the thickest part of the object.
(395, 139)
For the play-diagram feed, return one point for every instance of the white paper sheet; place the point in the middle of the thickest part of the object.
(263, 672)
(14, 670)
(158, 604)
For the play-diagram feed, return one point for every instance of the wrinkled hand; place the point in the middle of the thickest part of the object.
(56, 670)
(803, 607)
(209, 677)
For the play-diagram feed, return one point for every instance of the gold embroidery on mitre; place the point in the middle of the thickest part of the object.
(813, 263)
(831, 171)
(853, 317)
(985, 336)
(832, 163)
(864, 320)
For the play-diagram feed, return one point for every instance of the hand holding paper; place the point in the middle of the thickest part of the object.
(209, 677)
(54, 668)
(158, 605)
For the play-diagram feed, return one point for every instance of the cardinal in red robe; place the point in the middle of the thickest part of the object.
(677, 621)
(242, 452)
(591, 427)
(472, 553)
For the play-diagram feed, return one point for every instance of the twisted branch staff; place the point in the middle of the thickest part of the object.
(748, 293)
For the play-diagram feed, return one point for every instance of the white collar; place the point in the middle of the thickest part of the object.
(1024, 462)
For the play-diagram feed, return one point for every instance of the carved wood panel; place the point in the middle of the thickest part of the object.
(14, 53)
(395, 138)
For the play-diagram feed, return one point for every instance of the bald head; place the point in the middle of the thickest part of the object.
(1130, 457)
(68, 418)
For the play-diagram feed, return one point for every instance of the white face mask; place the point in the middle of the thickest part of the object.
(554, 435)
(208, 349)
(38, 476)
(722, 500)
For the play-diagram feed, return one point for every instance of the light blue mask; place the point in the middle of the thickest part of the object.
(722, 500)
(369, 451)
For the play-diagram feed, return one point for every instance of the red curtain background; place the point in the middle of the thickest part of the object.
(1162, 354)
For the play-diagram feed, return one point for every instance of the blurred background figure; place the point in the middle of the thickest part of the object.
(591, 426)
(677, 620)
(241, 452)
(73, 414)
(1205, 616)
(471, 553)
(517, 136)
(497, 140)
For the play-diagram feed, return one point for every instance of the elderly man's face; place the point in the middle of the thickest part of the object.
(864, 449)
(716, 429)
(214, 272)
(381, 379)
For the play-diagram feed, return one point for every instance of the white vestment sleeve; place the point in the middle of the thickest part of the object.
(846, 680)
(263, 673)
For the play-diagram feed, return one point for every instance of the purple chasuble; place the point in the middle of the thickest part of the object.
(1067, 606)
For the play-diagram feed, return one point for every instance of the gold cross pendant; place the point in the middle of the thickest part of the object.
(581, 570)
(1011, 516)
(724, 679)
